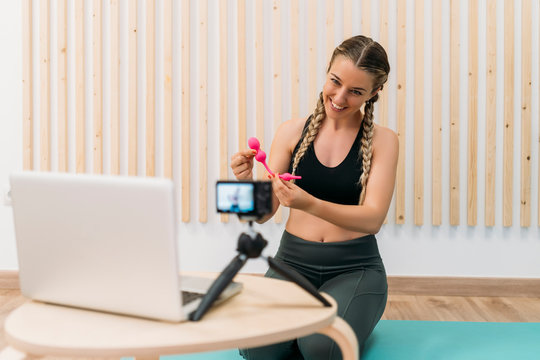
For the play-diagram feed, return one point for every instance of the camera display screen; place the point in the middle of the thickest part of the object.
(235, 197)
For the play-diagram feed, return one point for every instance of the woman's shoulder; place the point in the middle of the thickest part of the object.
(384, 137)
(290, 131)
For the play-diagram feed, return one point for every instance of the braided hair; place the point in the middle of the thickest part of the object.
(369, 56)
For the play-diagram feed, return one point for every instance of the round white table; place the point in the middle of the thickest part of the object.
(266, 311)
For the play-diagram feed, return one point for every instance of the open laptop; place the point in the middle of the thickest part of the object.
(100, 242)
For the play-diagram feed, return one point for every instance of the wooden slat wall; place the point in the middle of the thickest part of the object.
(45, 85)
(472, 164)
(419, 113)
(313, 91)
(80, 89)
(491, 111)
(508, 158)
(526, 123)
(223, 100)
(98, 87)
(454, 112)
(186, 117)
(115, 88)
(295, 65)
(28, 83)
(276, 78)
(167, 88)
(285, 17)
(259, 83)
(203, 110)
(62, 87)
(401, 70)
(436, 134)
(150, 87)
(132, 88)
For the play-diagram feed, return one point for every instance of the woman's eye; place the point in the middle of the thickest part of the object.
(335, 81)
(356, 92)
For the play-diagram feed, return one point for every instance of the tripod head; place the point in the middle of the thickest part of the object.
(251, 243)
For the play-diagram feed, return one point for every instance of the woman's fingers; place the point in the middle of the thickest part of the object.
(242, 164)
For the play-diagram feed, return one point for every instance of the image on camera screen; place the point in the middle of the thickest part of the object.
(235, 197)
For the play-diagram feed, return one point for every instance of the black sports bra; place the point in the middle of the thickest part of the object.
(335, 184)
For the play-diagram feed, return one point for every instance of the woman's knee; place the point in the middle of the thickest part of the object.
(280, 351)
(319, 347)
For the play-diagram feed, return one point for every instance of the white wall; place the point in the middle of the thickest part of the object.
(10, 119)
(406, 249)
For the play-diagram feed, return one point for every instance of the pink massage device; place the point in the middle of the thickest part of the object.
(260, 156)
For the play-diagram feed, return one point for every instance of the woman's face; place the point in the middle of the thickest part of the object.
(346, 89)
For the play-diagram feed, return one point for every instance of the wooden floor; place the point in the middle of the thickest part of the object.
(399, 307)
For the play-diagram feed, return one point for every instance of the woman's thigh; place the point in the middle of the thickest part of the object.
(361, 296)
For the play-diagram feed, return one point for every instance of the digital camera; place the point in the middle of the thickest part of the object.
(247, 199)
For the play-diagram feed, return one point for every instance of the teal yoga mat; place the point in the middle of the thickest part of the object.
(449, 340)
(434, 340)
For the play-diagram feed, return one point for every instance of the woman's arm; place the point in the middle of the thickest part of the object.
(285, 139)
(366, 218)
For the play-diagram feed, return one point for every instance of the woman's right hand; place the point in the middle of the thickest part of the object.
(242, 164)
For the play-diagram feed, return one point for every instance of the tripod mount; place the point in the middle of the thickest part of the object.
(250, 246)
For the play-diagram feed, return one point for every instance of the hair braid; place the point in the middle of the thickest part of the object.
(313, 129)
(366, 149)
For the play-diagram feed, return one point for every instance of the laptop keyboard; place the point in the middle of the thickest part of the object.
(188, 296)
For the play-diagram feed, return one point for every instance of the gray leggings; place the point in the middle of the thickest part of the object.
(350, 271)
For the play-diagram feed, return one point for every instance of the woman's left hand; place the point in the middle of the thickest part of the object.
(290, 195)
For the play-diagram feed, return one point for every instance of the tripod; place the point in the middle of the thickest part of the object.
(250, 245)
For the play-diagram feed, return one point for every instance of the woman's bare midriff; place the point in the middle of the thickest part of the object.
(312, 228)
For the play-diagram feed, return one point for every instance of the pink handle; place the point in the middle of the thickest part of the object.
(288, 177)
(260, 156)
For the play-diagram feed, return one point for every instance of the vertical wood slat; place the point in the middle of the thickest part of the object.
(472, 173)
(401, 109)
(329, 29)
(526, 121)
(167, 89)
(132, 89)
(242, 115)
(62, 87)
(98, 87)
(313, 93)
(276, 71)
(419, 114)
(259, 81)
(295, 65)
(27, 73)
(80, 103)
(436, 133)
(383, 40)
(508, 166)
(186, 144)
(454, 112)
(491, 111)
(223, 85)
(203, 110)
(347, 19)
(150, 87)
(366, 17)
(45, 89)
(115, 89)
(382, 105)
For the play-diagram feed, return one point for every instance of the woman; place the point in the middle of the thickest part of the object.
(348, 168)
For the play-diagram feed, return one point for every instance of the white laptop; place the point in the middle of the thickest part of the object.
(106, 243)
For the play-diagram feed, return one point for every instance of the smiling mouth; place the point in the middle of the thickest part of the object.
(336, 107)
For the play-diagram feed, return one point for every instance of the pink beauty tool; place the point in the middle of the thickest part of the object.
(260, 156)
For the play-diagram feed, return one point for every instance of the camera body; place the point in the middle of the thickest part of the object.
(250, 200)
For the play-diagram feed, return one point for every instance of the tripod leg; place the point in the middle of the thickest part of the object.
(218, 286)
(294, 276)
